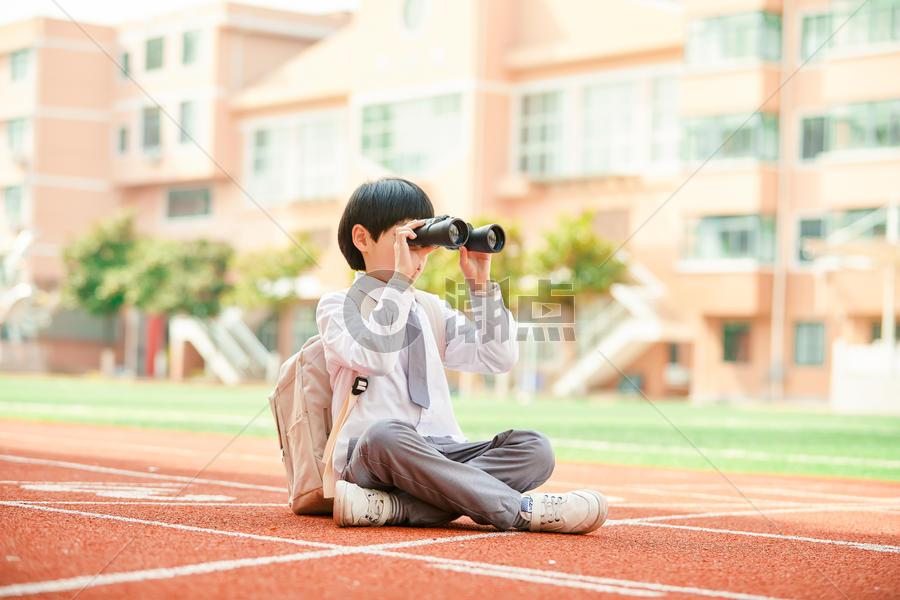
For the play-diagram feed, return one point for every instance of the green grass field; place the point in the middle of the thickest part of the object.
(759, 439)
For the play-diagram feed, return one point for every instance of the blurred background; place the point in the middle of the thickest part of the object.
(172, 182)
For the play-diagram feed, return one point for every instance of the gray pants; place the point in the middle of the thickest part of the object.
(437, 480)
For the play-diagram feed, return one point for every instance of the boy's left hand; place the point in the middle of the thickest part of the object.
(475, 266)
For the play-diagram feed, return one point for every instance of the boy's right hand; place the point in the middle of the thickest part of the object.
(408, 260)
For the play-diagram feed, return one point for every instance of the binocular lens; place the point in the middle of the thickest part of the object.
(492, 239)
(455, 237)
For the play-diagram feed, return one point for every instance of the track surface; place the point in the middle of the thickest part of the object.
(76, 500)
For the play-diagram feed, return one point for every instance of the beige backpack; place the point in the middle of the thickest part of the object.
(301, 405)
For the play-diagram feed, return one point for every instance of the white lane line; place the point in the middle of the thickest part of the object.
(267, 458)
(557, 579)
(130, 473)
(619, 586)
(812, 494)
(569, 578)
(729, 453)
(82, 581)
(253, 536)
(858, 545)
(741, 513)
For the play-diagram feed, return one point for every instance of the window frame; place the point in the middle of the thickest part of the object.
(19, 65)
(187, 123)
(149, 53)
(192, 58)
(150, 112)
(206, 200)
(817, 357)
(738, 351)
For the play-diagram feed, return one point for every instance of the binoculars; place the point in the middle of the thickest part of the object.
(451, 232)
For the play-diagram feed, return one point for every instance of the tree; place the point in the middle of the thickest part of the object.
(573, 253)
(259, 274)
(110, 267)
(89, 260)
(166, 276)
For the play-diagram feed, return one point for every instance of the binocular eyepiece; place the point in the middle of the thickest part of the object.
(451, 232)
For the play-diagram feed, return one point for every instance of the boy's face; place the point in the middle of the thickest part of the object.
(379, 255)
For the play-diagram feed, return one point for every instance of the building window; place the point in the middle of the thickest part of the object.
(814, 228)
(408, 137)
(187, 116)
(15, 136)
(632, 383)
(12, 206)
(261, 156)
(610, 122)
(728, 137)
(877, 229)
(300, 160)
(809, 344)
(18, 64)
(413, 14)
(876, 330)
(126, 64)
(317, 170)
(733, 38)
(875, 23)
(813, 142)
(865, 125)
(188, 203)
(154, 54)
(123, 140)
(151, 139)
(736, 342)
(673, 354)
(540, 133)
(816, 32)
(666, 125)
(732, 237)
(190, 45)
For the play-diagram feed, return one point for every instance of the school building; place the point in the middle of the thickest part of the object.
(745, 153)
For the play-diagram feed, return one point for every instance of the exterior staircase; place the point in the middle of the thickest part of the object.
(230, 349)
(619, 330)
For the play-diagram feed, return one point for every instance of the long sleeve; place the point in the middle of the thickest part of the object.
(369, 344)
(486, 344)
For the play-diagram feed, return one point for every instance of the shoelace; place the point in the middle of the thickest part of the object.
(376, 507)
(552, 509)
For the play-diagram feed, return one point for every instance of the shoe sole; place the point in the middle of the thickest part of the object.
(601, 513)
(340, 491)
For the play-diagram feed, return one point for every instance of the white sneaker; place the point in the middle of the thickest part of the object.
(581, 511)
(356, 506)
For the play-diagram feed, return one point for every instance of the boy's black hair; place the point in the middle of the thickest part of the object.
(378, 206)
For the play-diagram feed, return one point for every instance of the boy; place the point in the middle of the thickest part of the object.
(401, 458)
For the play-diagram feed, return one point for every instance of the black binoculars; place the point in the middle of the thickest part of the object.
(451, 232)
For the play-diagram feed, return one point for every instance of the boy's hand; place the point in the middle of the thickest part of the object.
(408, 261)
(476, 268)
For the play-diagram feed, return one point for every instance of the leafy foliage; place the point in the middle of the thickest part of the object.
(90, 259)
(111, 267)
(574, 253)
(257, 272)
(177, 277)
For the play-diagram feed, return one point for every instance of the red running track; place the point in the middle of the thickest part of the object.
(103, 511)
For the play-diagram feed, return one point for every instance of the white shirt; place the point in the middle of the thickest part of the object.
(487, 345)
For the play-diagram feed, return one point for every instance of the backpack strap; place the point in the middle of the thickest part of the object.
(328, 481)
(435, 312)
